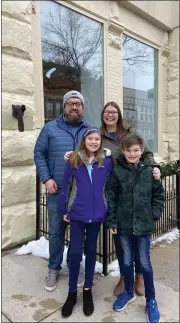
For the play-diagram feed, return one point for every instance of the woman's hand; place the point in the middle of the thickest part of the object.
(156, 173)
(65, 217)
(67, 155)
(113, 231)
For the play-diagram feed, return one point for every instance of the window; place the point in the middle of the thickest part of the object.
(140, 75)
(72, 58)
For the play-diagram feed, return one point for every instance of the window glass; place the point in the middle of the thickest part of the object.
(140, 85)
(72, 59)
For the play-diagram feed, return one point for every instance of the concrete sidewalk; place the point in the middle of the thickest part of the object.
(25, 300)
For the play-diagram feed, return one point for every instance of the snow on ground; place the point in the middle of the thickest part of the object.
(41, 248)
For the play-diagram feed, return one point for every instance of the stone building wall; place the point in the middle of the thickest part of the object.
(18, 171)
(173, 111)
(22, 84)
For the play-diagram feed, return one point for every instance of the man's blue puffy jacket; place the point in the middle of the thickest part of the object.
(52, 143)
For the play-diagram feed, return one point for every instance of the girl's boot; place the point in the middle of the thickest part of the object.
(69, 304)
(88, 305)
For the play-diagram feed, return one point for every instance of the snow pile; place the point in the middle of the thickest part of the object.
(36, 248)
(167, 237)
(41, 248)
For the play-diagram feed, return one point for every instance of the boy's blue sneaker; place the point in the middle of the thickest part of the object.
(123, 300)
(153, 315)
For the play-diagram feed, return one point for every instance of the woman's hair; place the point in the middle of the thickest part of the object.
(80, 156)
(122, 128)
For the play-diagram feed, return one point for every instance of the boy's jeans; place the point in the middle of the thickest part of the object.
(142, 243)
(119, 253)
(57, 228)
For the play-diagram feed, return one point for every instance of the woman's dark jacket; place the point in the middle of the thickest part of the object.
(116, 150)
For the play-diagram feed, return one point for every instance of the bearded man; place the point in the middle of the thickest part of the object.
(56, 138)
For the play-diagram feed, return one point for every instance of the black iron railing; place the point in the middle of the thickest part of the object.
(105, 248)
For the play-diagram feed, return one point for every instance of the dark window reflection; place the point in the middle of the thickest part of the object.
(72, 57)
(140, 89)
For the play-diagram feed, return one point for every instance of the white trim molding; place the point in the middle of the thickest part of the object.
(165, 51)
(115, 30)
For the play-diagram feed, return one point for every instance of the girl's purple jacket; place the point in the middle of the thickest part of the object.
(82, 199)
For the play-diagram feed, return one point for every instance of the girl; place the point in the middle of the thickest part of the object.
(85, 207)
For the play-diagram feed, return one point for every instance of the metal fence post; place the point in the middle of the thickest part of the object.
(178, 195)
(38, 193)
(105, 253)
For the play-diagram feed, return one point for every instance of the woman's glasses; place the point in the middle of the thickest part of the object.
(110, 112)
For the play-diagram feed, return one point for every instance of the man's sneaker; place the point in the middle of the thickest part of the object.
(51, 280)
(81, 279)
(153, 315)
(122, 301)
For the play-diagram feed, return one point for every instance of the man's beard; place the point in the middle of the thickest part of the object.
(73, 119)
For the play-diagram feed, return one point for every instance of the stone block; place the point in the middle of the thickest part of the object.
(17, 75)
(21, 10)
(173, 71)
(173, 125)
(173, 90)
(173, 108)
(17, 40)
(18, 185)
(17, 148)
(18, 224)
(174, 52)
(173, 37)
(10, 123)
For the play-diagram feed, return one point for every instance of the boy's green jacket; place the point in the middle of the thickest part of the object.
(135, 198)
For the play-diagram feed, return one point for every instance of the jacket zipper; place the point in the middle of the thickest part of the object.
(137, 172)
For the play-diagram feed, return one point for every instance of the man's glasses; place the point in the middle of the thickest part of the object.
(110, 112)
(77, 104)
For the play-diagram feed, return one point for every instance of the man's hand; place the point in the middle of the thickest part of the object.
(156, 173)
(66, 218)
(51, 186)
(67, 155)
(113, 231)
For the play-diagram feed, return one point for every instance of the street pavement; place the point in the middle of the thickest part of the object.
(24, 298)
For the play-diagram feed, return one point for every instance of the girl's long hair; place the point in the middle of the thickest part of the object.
(122, 127)
(76, 161)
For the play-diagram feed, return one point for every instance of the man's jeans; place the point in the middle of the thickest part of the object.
(119, 253)
(141, 244)
(57, 228)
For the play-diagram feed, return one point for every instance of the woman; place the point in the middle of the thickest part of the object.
(114, 130)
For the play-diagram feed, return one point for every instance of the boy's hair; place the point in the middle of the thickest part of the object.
(76, 161)
(131, 140)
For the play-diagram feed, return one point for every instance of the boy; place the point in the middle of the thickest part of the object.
(136, 201)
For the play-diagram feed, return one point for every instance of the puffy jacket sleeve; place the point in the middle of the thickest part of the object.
(157, 199)
(41, 155)
(66, 187)
(147, 155)
(112, 195)
(148, 158)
